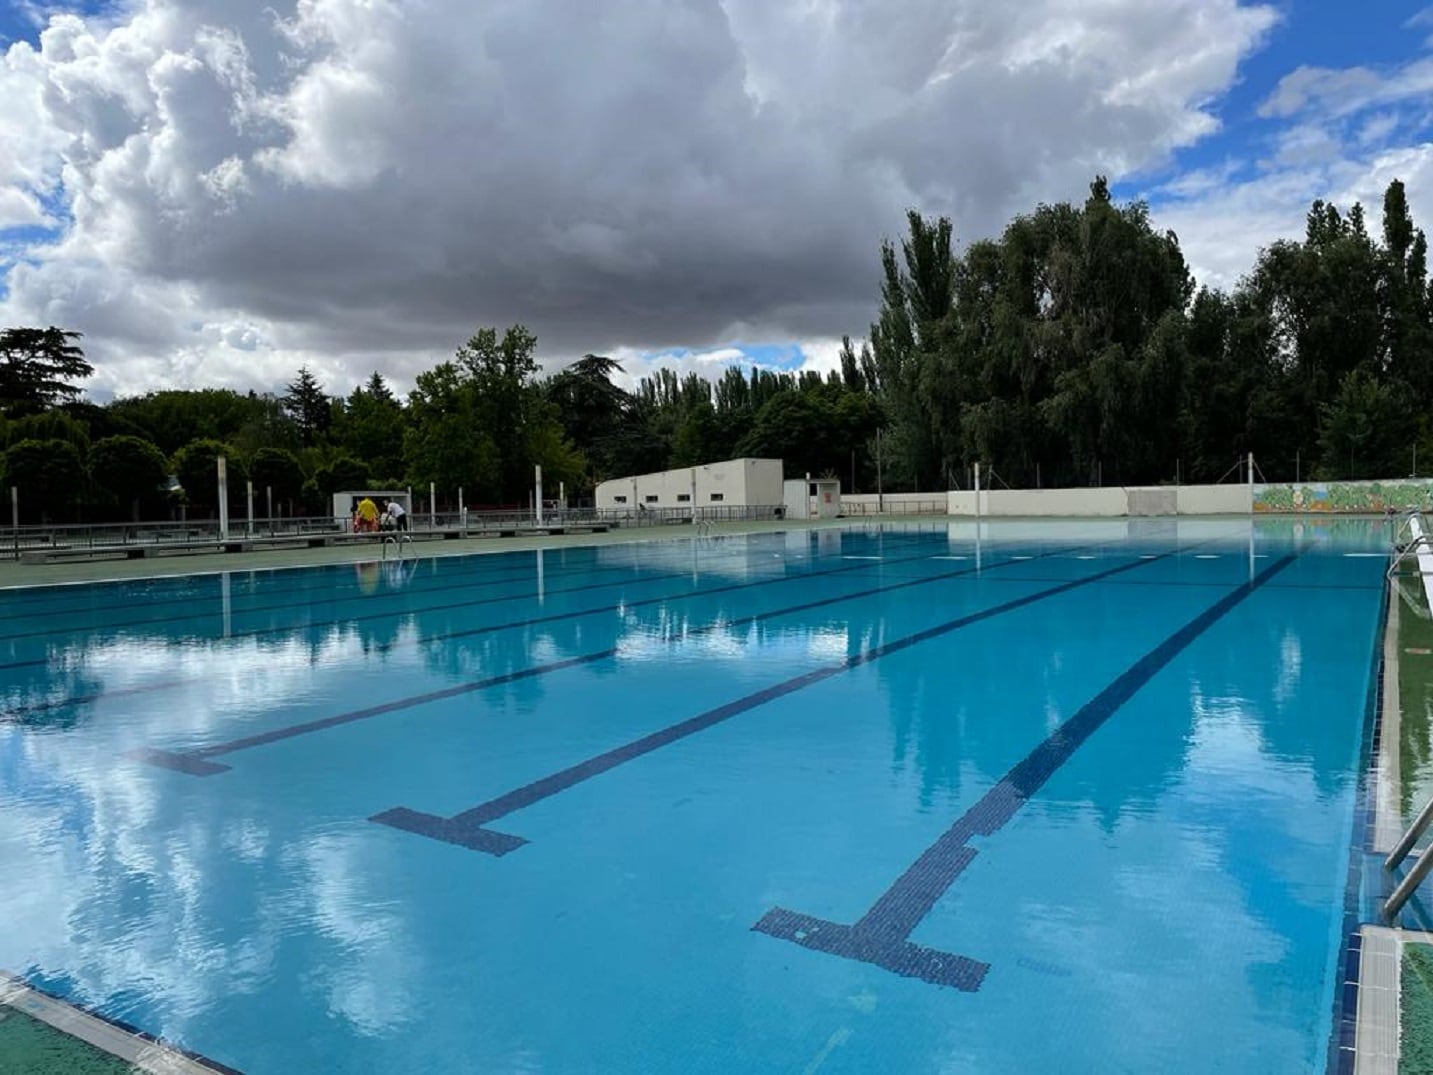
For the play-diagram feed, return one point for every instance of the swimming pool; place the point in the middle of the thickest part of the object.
(1059, 797)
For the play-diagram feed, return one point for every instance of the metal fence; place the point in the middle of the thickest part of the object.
(159, 537)
(896, 504)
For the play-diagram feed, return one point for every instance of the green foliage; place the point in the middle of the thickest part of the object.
(344, 472)
(1365, 429)
(129, 470)
(37, 366)
(308, 406)
(278, 471)
(49, 425)
(195, 465)
(49, 473)
(172, 419)
(445, 442)
(369, 425)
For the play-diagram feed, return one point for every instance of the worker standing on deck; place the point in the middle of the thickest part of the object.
(399, 516)
(367, 514)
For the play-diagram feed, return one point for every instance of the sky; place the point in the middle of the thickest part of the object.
(216, 192)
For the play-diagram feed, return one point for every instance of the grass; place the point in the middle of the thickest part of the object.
(30, 1047)
(1416, 1011)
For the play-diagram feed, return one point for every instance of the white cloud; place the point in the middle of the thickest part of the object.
(360, 183)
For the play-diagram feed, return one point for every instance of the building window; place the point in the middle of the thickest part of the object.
(716, 497)
(683, 498)
(620, 499)
(651, 498)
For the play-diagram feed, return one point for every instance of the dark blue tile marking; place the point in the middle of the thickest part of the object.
(880, 936)
(168, 758)
(466, 829)
(1361, 861)
(16, 714)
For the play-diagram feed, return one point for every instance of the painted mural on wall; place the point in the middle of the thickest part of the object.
(1374, 498)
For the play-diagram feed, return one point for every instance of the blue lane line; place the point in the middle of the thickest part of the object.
(880, 936)
(467, 828)
(467, 632)
(194, 762)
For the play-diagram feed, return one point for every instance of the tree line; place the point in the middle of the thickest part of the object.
(1073, 349)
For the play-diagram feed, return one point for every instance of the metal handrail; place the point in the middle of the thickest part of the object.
(1421, 868)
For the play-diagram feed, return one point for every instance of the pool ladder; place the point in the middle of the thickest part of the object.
(400, 543)
(1421, 868)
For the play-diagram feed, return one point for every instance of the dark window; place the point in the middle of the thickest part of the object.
(683, 498)
(620, 499)
(717, 496)
(651, 498)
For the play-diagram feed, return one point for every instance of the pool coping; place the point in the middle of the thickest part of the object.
(134, 1046)
(1374, 957)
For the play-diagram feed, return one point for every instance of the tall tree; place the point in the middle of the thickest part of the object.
(37, 368)
(307, 404)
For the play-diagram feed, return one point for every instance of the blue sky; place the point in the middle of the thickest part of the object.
(233, 192)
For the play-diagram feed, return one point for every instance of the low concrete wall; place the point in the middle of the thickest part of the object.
(1213, 500)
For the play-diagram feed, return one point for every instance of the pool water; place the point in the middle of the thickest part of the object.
(1069, 797)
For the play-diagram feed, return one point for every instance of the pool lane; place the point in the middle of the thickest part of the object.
(195, 761)
(16, 711)
(49, 638)
(468, 828)
(881, 935)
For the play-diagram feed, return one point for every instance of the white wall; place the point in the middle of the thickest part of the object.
(731, 483)
(1105, 502)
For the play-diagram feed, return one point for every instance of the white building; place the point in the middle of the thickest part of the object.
(812, 498)
(735, 483)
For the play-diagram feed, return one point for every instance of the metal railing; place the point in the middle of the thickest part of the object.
(181, 534)
(892, 505)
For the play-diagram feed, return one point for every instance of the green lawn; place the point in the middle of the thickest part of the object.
(30, 1047)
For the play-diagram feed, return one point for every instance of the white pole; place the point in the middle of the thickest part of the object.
(462, 512)
(537, 478)
(432, 505)
(250, 527)
(269, 504)
(15, 517)
(222, 466)
(1251, 483)
(562, 494)
(977, 490)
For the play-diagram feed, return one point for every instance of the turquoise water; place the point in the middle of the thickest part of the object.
(1066, 797)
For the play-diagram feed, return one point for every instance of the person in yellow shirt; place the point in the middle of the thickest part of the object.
(367, 514)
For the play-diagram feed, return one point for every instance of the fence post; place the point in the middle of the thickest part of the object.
(537, 480)
(222, 466)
